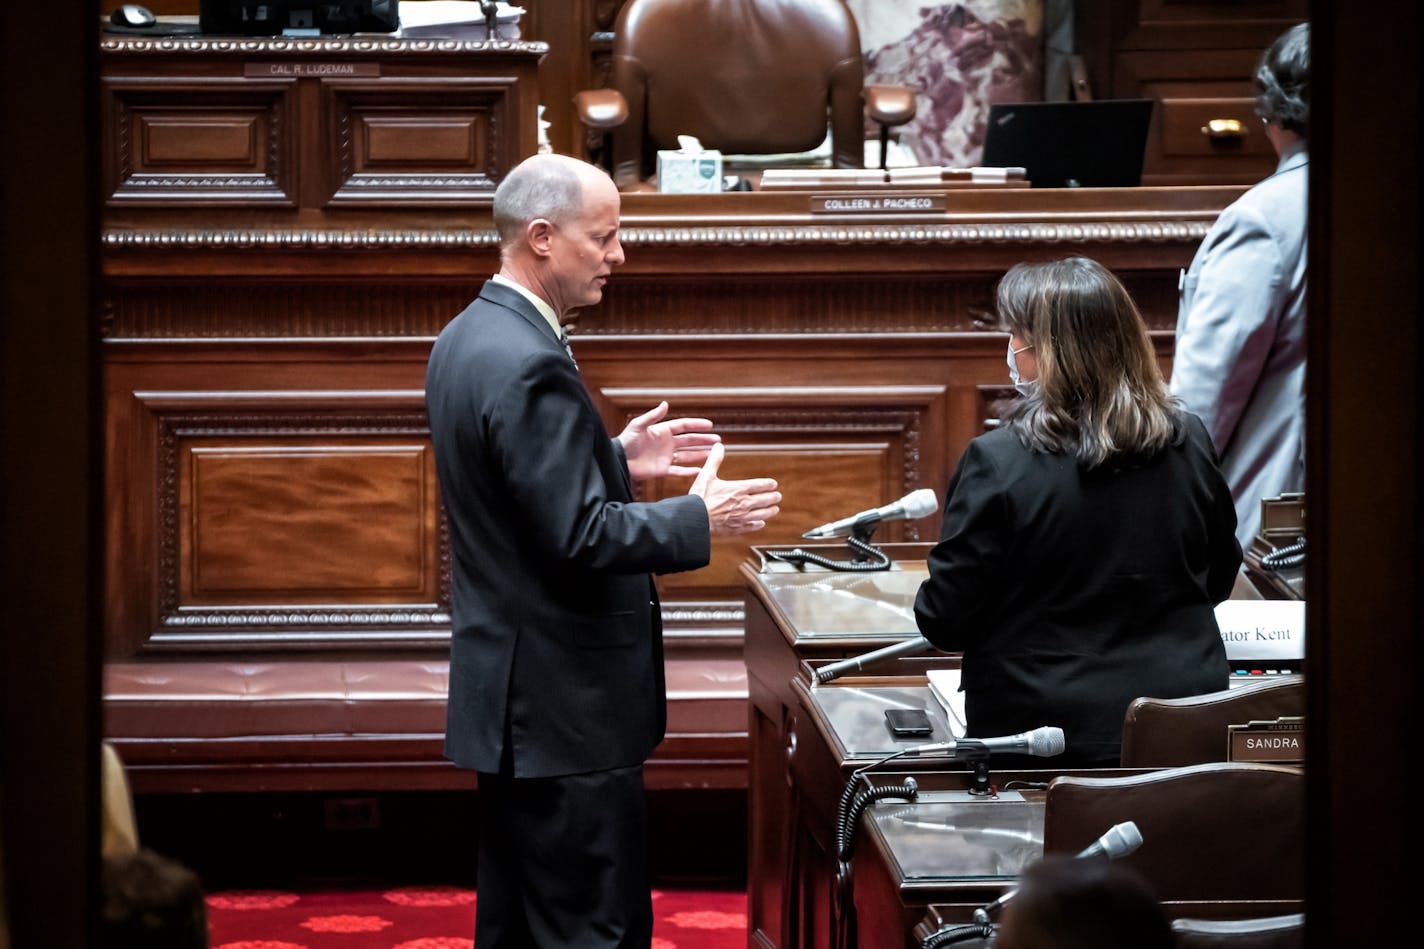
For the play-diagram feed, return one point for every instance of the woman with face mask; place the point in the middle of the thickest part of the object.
(1086, 541)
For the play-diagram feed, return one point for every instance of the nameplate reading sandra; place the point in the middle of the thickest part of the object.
(862, 202)
(1281, 741)
(299, 70)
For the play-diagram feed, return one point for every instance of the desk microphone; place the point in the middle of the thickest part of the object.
(906, 647)
(1119, 841)
(913, 505)
(1043, 742)
(969, 830)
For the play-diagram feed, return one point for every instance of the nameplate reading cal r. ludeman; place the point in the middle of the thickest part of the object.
(866, 202)
(298, 70)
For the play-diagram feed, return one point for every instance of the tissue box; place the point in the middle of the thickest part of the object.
(681, 172)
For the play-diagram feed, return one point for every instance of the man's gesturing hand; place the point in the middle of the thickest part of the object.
(656, 448)
(735, 507)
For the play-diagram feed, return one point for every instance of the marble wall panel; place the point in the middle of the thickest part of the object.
(961, 56)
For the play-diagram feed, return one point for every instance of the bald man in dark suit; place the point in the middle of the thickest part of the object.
(556, 673)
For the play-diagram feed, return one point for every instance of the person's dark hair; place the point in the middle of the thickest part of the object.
(152, 902)
(1100, 395)
(1283, 81)
(1067, 903)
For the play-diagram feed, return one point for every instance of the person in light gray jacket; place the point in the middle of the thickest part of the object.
(1240, 344)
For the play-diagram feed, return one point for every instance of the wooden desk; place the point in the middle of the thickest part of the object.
(852, 359)
(792, 617)
(839, 729)
(948, 848)
(317, 131)
(805, 742)
(947, 851)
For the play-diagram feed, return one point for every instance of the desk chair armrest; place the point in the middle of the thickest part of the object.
(601, 108)
(890, 105)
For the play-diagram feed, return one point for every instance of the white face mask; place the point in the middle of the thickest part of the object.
(1024, 387)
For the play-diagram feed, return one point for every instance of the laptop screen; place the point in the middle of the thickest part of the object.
(1095, 144)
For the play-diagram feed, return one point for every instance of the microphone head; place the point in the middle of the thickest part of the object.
(1046, 741)
(919, 503)
(1121, 840)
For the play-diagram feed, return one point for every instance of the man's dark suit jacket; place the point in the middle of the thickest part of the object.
(556, 621)
(1072, 592)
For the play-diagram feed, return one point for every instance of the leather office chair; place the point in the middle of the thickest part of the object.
(1217, 831)
(743, 76)
(1170, 733)
(1267, 932)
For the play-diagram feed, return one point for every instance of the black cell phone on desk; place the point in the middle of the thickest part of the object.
(908, 722)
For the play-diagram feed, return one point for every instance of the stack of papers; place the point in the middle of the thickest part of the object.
(944, 686)
(774, 178)
(456, 20)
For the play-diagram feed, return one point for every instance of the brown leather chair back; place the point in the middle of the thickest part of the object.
(743, 76)
(1266, 932)
(1218, 831)
(1170, 733)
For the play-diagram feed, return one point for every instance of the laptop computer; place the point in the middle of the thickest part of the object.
(1094, 144)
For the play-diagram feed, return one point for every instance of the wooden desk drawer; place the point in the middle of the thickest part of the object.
(1185, 122)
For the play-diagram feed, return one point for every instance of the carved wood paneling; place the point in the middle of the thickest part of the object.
(264, 421)
(419, 141)
(203, 122)
(831, 449)
(276, 310)
(788, 304)
(294, 518)
(633, 306)
(200, 140)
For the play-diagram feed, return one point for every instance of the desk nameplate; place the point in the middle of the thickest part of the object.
(1278, 742)
(876, 202)
(298, 70)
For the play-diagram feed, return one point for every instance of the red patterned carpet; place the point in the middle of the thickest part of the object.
(435, 917)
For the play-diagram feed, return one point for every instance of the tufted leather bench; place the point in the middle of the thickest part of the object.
(366, 725)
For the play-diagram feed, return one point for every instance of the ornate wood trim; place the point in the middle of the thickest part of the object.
(264, 239)
(211, 46)
(808, 235)
(986, 233)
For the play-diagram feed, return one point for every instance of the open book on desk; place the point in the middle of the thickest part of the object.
(944, 686)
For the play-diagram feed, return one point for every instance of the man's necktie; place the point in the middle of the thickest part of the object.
(564, 338)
